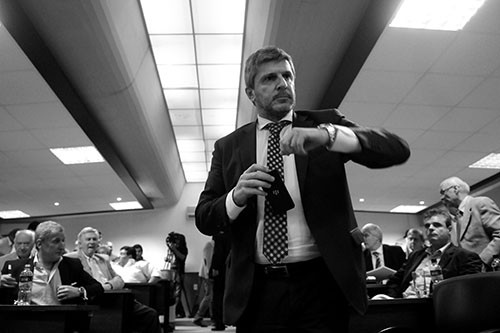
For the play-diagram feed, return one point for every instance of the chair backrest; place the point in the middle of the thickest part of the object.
(468, 303)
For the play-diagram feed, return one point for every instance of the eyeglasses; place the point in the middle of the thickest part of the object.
(442, 192)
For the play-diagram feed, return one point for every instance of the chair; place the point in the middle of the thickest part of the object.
(468, 303)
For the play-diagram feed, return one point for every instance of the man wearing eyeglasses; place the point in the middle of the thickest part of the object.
(477, 219)
(454, 261)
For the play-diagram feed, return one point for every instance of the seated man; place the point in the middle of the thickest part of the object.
(145, 319)
(377, 254)
(414, 241)
(133, 271)
(454, 261)
(56, 279)
(24, 243)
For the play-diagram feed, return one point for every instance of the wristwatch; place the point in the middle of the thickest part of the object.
(332, 133)
(83, 293)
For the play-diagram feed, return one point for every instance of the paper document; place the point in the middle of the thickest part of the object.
(381, 273)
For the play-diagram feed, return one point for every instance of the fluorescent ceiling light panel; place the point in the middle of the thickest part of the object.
(435, 14)
(12, 214)
(173, 49)
(219, 117)
(167, 17)
(407, 209)
(218, 16)
(492, 161)
(182, 98)
(191, 145)
(197, 45)
(123, 205)
(178, 76)
(78, 155)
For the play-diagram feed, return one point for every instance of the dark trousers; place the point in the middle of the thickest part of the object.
(305, 299)
(145, 319)
(217, 299)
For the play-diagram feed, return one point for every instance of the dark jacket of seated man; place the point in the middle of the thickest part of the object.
(454, 261)
(71, 273)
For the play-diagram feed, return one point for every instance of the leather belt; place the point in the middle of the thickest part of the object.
(290, 269)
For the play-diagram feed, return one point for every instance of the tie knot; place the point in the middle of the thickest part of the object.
(376, 254)
(275, 128)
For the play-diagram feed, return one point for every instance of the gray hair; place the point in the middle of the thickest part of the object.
(373, 229)
(455, 181)
(26, 232)
(87, 230)
(47, 229)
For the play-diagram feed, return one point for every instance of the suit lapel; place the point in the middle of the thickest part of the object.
(446, 256)
(245, 145)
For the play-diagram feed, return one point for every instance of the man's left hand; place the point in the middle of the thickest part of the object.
(300, 140)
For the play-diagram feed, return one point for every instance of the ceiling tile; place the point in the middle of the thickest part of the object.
(462, 57)
(442, 140)
(22, 87)
(409, 50)
(42, 115)
(18, 140)
(381, 87)
(486, 95)
(184, 117)
(415, 116)
(62, 137)
(188, 132)
(442, 90)
(7, 122)
(481, 142)
(465, 119)
(371, 114)
(11, 56)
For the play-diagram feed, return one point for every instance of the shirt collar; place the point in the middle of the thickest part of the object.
(261, 121)
(438, 252)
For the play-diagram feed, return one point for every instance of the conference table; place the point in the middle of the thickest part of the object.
(45, 318)
(414, 313)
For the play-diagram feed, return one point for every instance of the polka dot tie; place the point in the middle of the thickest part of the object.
(275, 246)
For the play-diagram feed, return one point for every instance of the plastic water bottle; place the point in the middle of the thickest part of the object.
(25, 285)
(436, 273)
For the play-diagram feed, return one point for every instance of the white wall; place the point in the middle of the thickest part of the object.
(150, 228)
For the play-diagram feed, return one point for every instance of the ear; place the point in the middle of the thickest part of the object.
(250, 94)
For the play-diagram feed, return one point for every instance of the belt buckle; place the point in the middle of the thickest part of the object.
(277, 271)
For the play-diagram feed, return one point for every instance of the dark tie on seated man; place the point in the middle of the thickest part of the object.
(144, 318)
(454, 261)
(56, 279)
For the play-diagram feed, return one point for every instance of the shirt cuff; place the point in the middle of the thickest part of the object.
(232, 209)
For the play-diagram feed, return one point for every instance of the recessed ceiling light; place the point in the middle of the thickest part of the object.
(125, 205)
(407, 209)
(56, 203)
(421, 202)
(492, 161)
(449, 15)
(361, 200)
(119, 199)
(78, 155)
(12, 214)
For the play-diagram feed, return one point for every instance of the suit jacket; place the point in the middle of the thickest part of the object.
(394, 257)
(104, 265)
(479, 227)
(454, 261)
(70, 270)
(325, 199)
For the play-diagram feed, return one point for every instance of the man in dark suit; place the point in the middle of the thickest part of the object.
(454, 261)
(378, 254)
(308, 275)
(56, 279)
(477, 226)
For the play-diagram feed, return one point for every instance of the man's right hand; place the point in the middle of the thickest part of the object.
(252, 182)
(7, 281)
